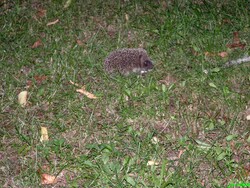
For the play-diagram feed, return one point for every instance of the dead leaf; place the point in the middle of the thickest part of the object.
(41, 13)
(83, 91)
(155, 140)
(47, 179)
(53, 22)
(209, 54)
(248, 114)
(126, 17)
(44, 134)
(241, 45)
(89, 95)
(168, 80)
(37, 44)
(22, 98)
(75, 84)
(79, 42)
(180, 153)
(152, 163)
(236, 39)
(223, 54)
(236, 42)
(39, 79)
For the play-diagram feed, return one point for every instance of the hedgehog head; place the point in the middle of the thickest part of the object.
(145, 64)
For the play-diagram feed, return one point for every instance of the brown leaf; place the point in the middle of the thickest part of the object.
(79, 42)
(41, 13)
(40, 79)
(209, 54)
(75, 84)
(47, 179)
(83, 91)
(37, 44)
(240, 45)
(236, 42)
(236, 39)
(53, 22)
(168, 80)
(180, 153)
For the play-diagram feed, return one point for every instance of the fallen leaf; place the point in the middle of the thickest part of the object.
(223, 54)
(39, 79)
(22, 98)
(79, 42)
(152, 163)
(248, 114)
(44, 134)
(47, 179)
(53, 22)
(236, 39)
(88, 94)
(126, 17)
(37, 44)
(75, 84)
(241, 45)
(83, 91)
(180, 153)
(168, 80)
(208, 54)
(236, 42)
(41, 13)
(155, 140)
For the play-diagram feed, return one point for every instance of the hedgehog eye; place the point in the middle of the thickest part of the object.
(146, 63)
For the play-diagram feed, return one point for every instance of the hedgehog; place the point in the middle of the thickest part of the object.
(128, 60)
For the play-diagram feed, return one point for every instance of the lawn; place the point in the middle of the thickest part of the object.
(184, 124)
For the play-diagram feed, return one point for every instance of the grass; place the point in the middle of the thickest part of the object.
(198, 119)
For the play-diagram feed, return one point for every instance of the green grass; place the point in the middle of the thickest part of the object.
(107, 142)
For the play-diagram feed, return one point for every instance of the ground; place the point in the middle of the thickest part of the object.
(184, 124)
